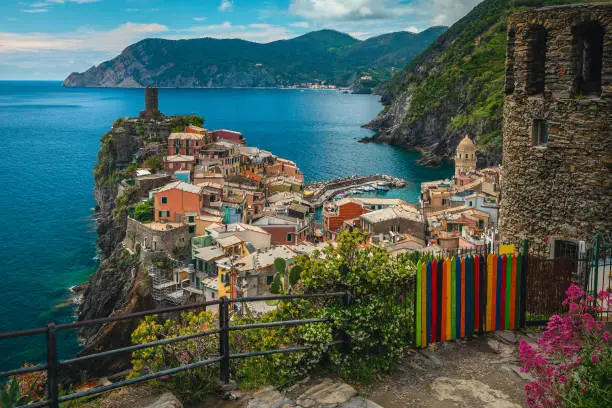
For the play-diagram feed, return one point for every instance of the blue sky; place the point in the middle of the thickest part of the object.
(48, 39)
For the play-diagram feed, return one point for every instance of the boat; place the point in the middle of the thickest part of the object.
(382, 185)
(368, 188)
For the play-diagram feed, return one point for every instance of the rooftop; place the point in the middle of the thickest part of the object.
(392, 213)
(179, 158)
(180, 185)
(229, 241)
(265, 258)
(185, 136)
(208, 253)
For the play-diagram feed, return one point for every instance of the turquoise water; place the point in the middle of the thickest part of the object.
(49, 138)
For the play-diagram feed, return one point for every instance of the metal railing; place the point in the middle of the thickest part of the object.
(53, 364)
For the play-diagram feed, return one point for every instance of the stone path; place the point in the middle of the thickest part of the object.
(481, 372)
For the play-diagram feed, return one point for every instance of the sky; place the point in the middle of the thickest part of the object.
(49, 39)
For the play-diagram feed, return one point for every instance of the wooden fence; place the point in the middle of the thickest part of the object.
(458, 296)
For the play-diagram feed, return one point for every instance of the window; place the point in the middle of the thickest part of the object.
(269, 279)
(565, 249)
(509, 86)
(177, 151)
(163, 214)
(212, 295)
(164, 200)
(191, 218)
(539, 132)
(467, 156)
(536, 60)
(587, 55)
(289, 237)
(191, 229)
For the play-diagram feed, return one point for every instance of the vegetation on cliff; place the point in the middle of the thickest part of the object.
(455, 87)
(324, 55)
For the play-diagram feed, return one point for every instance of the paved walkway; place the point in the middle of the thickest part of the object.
(481, 372)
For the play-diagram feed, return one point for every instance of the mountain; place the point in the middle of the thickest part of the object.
(454, 88)
(324, 55)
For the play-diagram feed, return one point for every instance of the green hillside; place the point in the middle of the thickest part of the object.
(324, 55)
(455, 87)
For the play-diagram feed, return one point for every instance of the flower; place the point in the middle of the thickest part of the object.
(594, 359)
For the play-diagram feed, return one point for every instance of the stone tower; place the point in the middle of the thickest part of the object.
(151, 103)
(465, 158)
(557, 143)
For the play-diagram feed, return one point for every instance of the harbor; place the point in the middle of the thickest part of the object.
(320, 192)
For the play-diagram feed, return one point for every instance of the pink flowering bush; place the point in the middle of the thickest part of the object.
(572, 364)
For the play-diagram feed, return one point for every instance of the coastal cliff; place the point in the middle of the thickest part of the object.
(120, 284)
(454, 88)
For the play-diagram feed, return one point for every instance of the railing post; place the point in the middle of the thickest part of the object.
(52, 371)
(224, 340)
(595, 267)
(523, 300)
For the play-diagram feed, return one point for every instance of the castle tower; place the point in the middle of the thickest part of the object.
(557, 143)
(151, 103)
(465, 158)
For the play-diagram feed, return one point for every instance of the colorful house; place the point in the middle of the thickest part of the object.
(336, 213)
(284, 230)
(229, 136)
(177, 202)
(178, 162)
(186, 144)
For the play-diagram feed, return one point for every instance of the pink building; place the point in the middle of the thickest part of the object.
(179, 162)
(229, 135)
(222, 157)
(187, 144)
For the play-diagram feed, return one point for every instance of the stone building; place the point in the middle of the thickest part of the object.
(465, 158)
(557, 144)
(151, 103)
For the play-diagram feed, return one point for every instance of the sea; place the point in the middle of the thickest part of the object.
(49, 139)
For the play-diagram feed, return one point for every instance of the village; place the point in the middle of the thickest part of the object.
(214, 217)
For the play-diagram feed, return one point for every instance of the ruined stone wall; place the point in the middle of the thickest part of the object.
(174, 241)
(562, 188)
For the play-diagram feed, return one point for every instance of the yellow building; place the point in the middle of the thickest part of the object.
(465, 159)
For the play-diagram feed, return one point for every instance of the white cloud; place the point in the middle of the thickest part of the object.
(226, 5)
(447, 12)
(253, 32)
(199, 18)
(412, 29)
(35, 10)
(83, 39)
(348, 10)
(301, 24)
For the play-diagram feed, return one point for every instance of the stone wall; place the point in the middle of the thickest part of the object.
(563, 187)
(174, 239)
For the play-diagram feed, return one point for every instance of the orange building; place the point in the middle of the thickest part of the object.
(177, 202)
(335, 214)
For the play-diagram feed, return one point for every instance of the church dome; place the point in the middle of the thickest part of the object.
(466, 145)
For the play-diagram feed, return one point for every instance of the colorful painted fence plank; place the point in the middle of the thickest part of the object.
(457, 297)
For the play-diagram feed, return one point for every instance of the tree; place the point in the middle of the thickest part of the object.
(153, 163)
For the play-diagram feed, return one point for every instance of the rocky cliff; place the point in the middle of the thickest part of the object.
(453, 88)
(120, 285)
(324, 55)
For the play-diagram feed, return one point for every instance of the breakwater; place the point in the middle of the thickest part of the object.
(319, 192)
